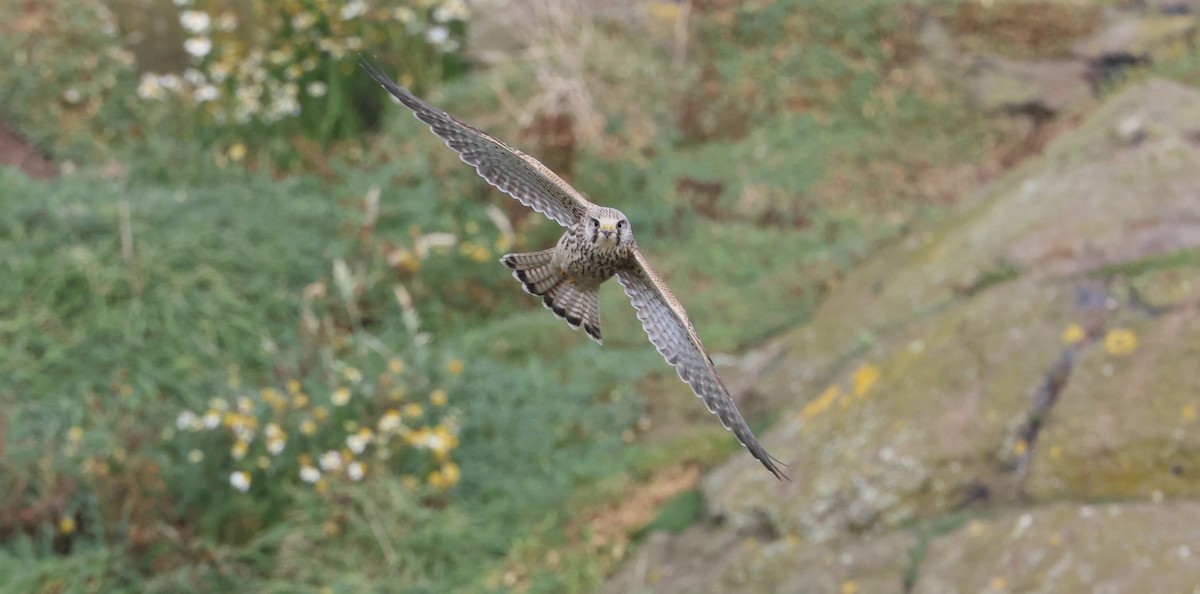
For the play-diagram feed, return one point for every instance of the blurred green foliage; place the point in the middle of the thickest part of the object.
(202, 279)
(66, 78)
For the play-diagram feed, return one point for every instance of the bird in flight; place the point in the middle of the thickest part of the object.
(597, 245)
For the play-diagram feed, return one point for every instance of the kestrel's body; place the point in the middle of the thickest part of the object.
(597, 245)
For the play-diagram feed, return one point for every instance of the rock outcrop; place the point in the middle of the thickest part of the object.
(967, 398)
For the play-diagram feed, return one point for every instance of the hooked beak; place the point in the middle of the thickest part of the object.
(608, 230)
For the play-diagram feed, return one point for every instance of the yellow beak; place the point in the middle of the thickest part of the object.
(608, 227)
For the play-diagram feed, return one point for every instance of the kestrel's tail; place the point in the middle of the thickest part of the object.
(577, 305)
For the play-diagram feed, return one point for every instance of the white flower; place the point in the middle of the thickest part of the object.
(195, 21)
(148, 87)
(437, 35)
(355, 471)
(218, 72)
(72, 96)
(452, 10)
(316, 89)
(434, 442)
(309, 474)
(195, 456)
(340, 397)
(212, 419)
(186, 420)
(390, 421)
(352, 9)
(330, 461)
(197, 46)
(275, 446)
(171, 82)
(240, 481)
(206, 93)
(193, 77)
(403, 14)
(226, 22)
(180, 3)
(357, 443)
(302, 21)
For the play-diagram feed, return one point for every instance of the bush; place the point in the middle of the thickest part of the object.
(66, 76)
(265, 71)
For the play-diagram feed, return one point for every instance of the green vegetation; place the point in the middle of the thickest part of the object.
(281, 356)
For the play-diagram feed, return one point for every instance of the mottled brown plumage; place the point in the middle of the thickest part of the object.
(597, 245)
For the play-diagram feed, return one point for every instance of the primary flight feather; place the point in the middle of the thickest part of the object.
(597, 245)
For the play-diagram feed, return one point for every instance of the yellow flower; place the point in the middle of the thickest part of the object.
(195, 456)
(293, 386)
(438, 397)
(1120, 342)
(300, 400)
(237, 152)
(320, 413)
(274, 431)
(396, 366)
(239, 449)
(322, 486)
(849, 587)
(66, 525)
(413, 410)
(451, 474)
(864, 378)
(341, 396)
(263, 462)
(397, 394)
(352, 375)
(308, 427)
(75, 434)
(273, 398)
(1073, 334)
(455, 367)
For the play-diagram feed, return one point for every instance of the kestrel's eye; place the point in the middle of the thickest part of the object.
(620, 224)
(595, 222)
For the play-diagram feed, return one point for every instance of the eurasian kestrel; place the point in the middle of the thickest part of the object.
(597, 244)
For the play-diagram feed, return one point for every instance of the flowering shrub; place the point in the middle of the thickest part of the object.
(292, 63)
(279, 437)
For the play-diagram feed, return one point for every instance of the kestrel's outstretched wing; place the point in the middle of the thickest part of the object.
(503, 166)
(667, 325)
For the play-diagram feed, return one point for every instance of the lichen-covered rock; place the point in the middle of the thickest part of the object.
(708, 560)
(959, 328)
(1042, 88)
(1066, 548)
(1041, 344)
(1131, 35)
(1127, 423)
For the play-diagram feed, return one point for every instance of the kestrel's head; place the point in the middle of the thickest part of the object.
(607, 227)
